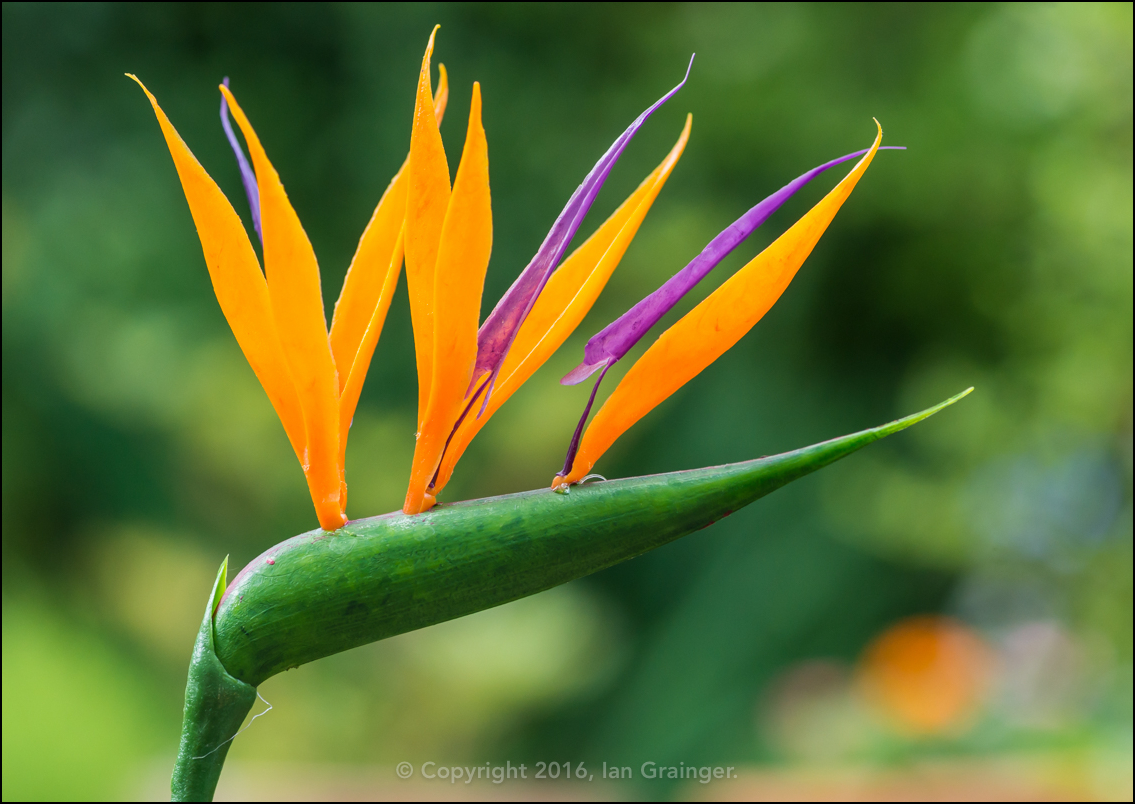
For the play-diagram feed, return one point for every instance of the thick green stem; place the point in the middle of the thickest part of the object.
(320, 593)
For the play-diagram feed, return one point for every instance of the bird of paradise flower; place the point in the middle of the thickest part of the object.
(313, 376)
(338, 587)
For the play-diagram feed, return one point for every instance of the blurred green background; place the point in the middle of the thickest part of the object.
(138, 448)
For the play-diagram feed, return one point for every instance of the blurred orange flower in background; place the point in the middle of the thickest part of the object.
(927, 674)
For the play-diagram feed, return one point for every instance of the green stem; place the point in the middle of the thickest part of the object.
(320, 593)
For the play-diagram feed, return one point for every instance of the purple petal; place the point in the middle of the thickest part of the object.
(246, 174)
(573, 447)
(499, 330)
(618, 337)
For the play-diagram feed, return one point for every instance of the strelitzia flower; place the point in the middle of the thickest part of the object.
(314, 377)
(350, 583)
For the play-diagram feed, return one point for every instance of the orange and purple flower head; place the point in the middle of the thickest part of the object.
(443, 232)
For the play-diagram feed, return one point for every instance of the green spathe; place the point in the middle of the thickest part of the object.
(320, 593)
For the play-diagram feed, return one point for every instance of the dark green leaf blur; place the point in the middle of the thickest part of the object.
(946, 612)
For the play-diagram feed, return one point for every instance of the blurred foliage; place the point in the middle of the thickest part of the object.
(138, 448)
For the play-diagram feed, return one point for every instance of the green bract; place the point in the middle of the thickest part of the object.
(320, 593)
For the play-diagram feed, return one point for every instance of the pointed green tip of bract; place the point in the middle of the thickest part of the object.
(219, 587)
(915, 418)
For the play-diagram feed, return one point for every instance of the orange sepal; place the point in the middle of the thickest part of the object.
(426, 201)
(711, 328)
(462, 259)
(363, 285)
(237, 281)
(297, 305)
